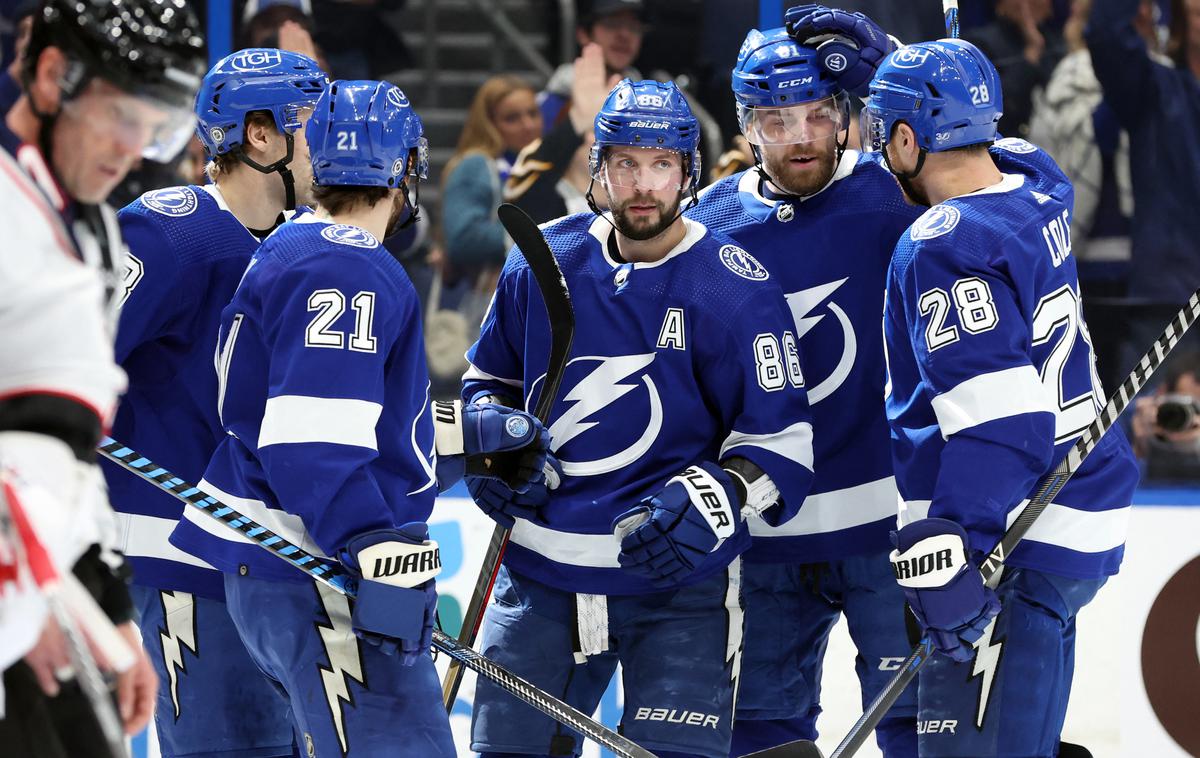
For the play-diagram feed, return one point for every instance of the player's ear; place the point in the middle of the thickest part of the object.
(259, 134)
(45, 90)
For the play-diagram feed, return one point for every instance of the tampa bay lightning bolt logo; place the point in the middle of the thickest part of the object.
(742, 263)
(1016, 145)
(937, 221)
(173, 201)
(909, 57)
(809, 307)
(615, 395)
(345, 234)
(516, 427)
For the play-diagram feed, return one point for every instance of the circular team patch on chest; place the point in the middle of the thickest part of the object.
(173, 201)
(937, 221)
(345, 234)
(1015, 145)
(742, 263)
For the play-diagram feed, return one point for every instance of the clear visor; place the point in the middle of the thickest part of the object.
(795, 124)
(149, 127)
(642, 168)
(871, 130)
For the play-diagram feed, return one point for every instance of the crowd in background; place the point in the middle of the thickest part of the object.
(1116, 102)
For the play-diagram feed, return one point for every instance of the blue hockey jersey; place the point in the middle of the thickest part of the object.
(992, 375)
(686, 359)
(186, 255)
(324, 398)
(830, 253)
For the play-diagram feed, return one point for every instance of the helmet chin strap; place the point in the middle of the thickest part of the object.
(905, 177)
(280, 167)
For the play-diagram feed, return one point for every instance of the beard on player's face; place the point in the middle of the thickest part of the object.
(803, 168)
(400, 213)
(644, 225)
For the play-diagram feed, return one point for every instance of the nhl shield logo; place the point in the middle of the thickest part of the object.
(742, 263)
(785, 212)
(173, 201)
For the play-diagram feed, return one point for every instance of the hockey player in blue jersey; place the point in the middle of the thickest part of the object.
(683, 416)
(323, 395)
(188, 249)
(823, 219)
(992, 379)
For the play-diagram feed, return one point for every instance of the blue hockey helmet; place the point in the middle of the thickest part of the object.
(257, 79)
(366, 134)
(947, 91)
(772, 76)
(648, 114)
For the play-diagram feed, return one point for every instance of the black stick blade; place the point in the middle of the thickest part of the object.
(797, 749)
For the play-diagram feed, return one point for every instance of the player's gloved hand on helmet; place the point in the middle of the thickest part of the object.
(503, 505)
(668, 534)
(397, 600)
(943, 586)
(850, 46)
(489, 440)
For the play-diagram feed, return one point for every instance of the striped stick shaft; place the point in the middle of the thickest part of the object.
(950, 11)
(323, 571)
(1053, 483)
(332, 575)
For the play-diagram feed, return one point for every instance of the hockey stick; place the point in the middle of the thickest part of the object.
(332, 575)
(1046, 489)
(553, 287)
(950, 11)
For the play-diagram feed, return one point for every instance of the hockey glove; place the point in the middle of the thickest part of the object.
(489, 440)
(850, 46)
(396, 601)
(668, 534)
(503, 505)
(944, 589)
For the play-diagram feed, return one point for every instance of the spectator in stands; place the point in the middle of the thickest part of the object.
(285, 24)
(503, 119)
(1166, 427)
(358, 39)
(1025, 49)
(10, 77)
(1159, 106)
(617, 27)
(551, 177)
(1072, 121)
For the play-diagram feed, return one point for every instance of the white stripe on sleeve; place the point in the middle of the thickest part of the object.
(793, 443)
(988, 397)
(298, 418)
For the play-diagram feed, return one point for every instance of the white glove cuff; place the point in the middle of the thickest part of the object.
(761, 494)
(400, 564)
(932, 562)
(708, 496)
(447, 427)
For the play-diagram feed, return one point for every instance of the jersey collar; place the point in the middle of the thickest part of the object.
(1008, 183)
(761, 207)
(602, 228)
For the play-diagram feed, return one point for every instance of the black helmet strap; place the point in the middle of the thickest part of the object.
(278, 167)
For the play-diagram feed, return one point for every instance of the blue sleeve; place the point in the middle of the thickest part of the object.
(1120, 59)
(318, 434)
(497, 364)
(973, 350)
(473, 234)
(752, 374)
(152, 294)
